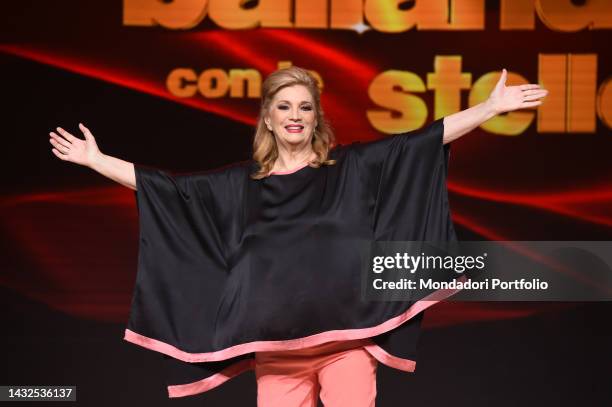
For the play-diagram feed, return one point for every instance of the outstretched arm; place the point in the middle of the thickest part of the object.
(502, 99)
(86, 152)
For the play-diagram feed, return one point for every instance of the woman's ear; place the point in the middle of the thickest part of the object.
(267, 121)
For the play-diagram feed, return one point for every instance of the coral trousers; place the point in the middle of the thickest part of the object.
(342, 373)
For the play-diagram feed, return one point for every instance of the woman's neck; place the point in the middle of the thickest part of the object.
(287, 161)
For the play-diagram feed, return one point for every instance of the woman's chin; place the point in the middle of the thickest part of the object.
(294, 138)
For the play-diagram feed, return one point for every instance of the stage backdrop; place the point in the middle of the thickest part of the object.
(176, 85)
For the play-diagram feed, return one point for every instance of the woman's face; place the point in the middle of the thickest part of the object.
(292, 116)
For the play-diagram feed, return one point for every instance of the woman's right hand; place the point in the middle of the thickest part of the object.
(73, 149)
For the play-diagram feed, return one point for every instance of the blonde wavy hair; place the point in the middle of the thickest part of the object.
(265, 150)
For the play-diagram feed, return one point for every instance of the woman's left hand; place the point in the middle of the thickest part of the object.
(507, 98)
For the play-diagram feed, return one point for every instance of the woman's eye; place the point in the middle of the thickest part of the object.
(286, 107)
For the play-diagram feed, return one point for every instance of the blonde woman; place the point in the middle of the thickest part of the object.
(256, 265)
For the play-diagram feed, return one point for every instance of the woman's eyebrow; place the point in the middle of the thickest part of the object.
(302, 102)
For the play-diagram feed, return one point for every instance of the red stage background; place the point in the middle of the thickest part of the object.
(175, 85)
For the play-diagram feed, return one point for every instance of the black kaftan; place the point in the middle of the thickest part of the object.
(229, 266)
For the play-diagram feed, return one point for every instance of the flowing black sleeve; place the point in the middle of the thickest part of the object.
(406, 176)
(185, 224)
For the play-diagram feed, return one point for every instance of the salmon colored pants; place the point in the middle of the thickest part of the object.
(343, 372)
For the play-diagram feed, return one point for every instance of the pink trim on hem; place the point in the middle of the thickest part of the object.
(388, 359)
(291, 344)
(200, 386)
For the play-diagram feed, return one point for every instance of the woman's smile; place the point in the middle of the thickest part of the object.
(294, 128)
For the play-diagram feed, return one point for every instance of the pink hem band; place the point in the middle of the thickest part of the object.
(200, 386)
(209, 383)
(388, 359)
(290, 344)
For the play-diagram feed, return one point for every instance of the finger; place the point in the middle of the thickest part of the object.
(535, 92)
(58, 154)
(60, 140)
(529, 86)
(60, 147)
(68, 136)
(531, 104)
(85, 131)
(502, 78)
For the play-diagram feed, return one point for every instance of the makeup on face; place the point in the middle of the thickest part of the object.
(292, 117)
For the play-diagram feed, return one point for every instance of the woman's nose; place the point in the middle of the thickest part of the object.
(295, 114)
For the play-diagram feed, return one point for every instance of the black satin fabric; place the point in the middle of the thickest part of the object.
(226, 260)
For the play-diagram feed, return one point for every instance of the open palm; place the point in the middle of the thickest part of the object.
(507, 98)
(74, 149)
